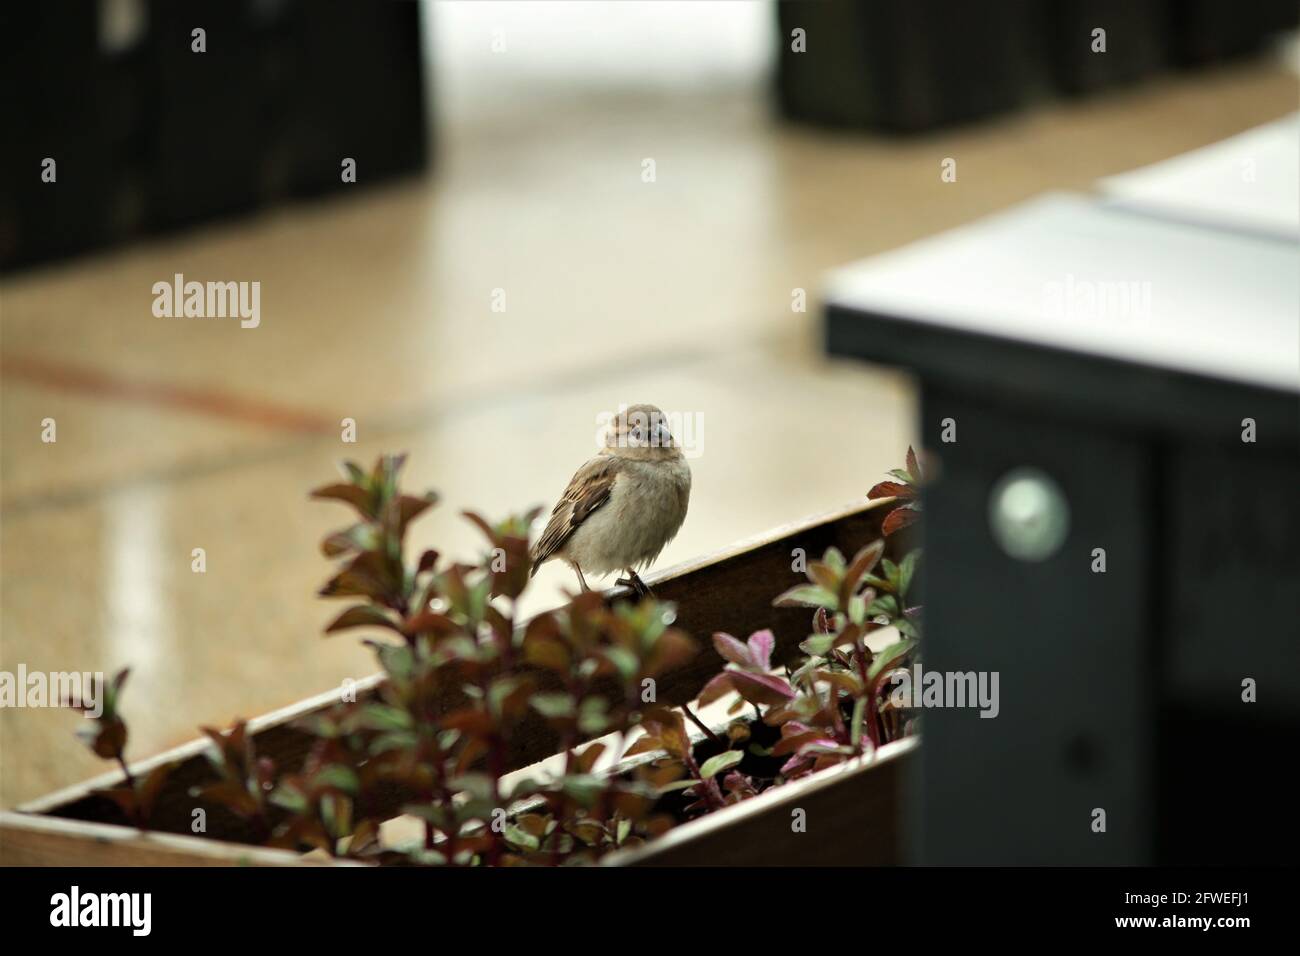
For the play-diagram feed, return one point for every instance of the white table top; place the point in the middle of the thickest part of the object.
(1249, 182)
(1064, 271)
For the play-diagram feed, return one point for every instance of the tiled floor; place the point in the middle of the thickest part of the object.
(177, 434)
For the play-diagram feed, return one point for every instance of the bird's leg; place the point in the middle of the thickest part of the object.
(581, 580)
(633, 580)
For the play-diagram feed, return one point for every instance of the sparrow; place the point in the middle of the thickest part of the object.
(622, 506)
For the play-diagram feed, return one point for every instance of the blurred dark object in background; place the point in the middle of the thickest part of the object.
(901, 65)
(149, 135)
(1147, 655)
(915, 65)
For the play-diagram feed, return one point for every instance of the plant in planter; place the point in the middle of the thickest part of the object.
(107, 737)
(832, 705)
(466, 682)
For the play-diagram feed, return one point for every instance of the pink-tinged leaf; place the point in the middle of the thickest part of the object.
(732, 650)
(819, 745)
(898, 519)
(717, 688)
(761, 688)
(806, 595)
(761, 644)
(795, 766)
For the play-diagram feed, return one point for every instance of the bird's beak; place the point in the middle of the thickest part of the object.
(663, 437)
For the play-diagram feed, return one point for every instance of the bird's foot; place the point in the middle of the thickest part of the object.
(633, 581)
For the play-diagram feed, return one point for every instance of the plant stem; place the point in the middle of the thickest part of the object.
(130, 778)
(860, 658)
(702, 725)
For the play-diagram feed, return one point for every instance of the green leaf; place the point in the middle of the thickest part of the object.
(888, 657)
(396, 659)
(624, 661)
(519, 838)
(592, 716)
(385, 717)
(906, 570)
(499, 690)
(817, 645)
(723, 761)
(855, 726)
(583, 787)
(478, 785)
(393, 740)
(858, 609)
(362, 536)
(353, 472)
(290, 798)
(880, 584)
(337, 777)
(678, 785)
(885, 604)
(553, 706)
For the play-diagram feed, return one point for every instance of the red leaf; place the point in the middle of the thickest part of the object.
(362, 615)
(149, 788)
(410, 507)
(357, 497)
(913, 466)
(891, 489)
(716, 689)
(470, 720)
(898, 519)
(429, 622)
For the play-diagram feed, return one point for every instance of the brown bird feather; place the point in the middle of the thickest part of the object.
(588, 490)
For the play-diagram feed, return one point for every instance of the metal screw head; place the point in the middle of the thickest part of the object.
(1028, 514)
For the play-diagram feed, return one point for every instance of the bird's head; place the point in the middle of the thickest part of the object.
(641, 432)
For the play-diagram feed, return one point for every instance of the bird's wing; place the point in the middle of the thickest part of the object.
(588, 490)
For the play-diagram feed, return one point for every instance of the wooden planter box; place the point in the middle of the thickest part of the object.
(851, 811)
